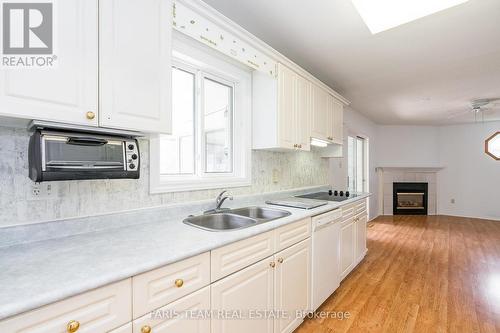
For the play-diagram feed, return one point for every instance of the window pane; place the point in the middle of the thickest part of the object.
(178, 149)
(217, 131)
(351, 174)
(359, 165)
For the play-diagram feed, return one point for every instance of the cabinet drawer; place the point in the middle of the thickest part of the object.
(123, 329)
(291, 234)
(99, 310)
(171, 318)
(161, 286)
(348, 211)
(360, 206)
(233, 257)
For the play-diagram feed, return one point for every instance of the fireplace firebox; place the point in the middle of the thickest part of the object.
(410, 198)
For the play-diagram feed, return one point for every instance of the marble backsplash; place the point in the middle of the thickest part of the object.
(84, 198)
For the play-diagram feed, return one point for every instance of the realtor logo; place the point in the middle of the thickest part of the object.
(28, 29)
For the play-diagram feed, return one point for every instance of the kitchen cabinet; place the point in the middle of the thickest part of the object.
(292, 283)
(67, 92)
(320, 113)
(352, 236)
(250, 289)
(347, 247)
(135, 64)
(338, 122)
(281, 111)
(99, 310)
(108, 72)
(175, 316)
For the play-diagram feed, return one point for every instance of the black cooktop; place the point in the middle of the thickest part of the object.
(329, 195)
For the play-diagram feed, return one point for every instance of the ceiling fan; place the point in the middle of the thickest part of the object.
(478, 107)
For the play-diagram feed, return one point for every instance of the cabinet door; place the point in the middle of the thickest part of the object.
(249, 289)
(175, 316)
(361, 237)
(286, 104)
(319, 128)
(292, 285)
(347, 247)
(303, 113)
(330, 118)
(135, 64)
(66, 92)
(338, 122)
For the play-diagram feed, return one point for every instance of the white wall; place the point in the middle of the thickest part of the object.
(407, 146)
(357, 124)
(470, 176)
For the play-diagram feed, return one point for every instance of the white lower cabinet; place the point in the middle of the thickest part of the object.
(292, 283)
(347, 244)
(280, 283)
(99, 310)
(186, 315)
(250, 291)
(123, 329)
(361, 237)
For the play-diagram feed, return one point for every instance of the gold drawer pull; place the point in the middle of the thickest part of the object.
(146, 329)
(179, 283)
(90, 115)
(280, 260)
(72, 326)
(272, 264)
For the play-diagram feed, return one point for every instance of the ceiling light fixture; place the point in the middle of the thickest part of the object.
(382, 15)
(318, 142)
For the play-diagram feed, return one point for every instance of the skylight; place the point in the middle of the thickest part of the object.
(381, 15)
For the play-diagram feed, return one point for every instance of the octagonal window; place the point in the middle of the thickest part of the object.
(492, 146)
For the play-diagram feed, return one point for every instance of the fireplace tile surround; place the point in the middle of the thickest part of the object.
(389, 175)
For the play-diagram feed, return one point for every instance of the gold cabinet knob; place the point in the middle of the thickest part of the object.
(146, 329)
(72, 326)
(295, 145)
(280, 260)
(300, 146)
(90, 115)
(179, 283)
(272, 264)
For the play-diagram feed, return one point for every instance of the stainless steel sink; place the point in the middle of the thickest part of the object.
(220, 221)
(261, 213)
(234, 219)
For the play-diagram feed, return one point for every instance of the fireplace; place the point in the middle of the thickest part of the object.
(410, 198)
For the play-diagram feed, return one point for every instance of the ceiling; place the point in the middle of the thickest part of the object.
(425, 72)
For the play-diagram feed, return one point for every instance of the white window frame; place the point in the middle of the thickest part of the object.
(365, 163)
(188, 53)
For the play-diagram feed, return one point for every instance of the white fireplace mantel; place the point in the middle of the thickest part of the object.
(387, 175)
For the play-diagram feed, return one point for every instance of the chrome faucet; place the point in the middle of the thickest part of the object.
(218, 203)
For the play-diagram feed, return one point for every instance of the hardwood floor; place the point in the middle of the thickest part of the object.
(421, 274)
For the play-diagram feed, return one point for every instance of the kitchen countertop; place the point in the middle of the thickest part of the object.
(47, 271)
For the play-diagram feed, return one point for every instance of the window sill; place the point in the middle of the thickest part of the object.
(169, 187)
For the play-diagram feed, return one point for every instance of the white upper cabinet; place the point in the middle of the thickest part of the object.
(338, 122)
(135, 64)
(320, 110)
(68, 91)
(281, 110)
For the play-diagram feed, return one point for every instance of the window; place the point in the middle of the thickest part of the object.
(357, 148)
(209, 146)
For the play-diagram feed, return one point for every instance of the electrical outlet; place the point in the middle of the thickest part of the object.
(276, 176)
(452, 201)
(42, 191)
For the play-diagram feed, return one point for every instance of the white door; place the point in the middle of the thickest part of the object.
(361, 236)
(292, 285)
(303, 113)
(135, 64)
(325, 257)
(347, 248)
(286, 103)
(338, 122)
(319, 127)
(175, 317)
(250, 289)
(68, 91)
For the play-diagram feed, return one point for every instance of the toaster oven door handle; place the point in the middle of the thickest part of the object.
(85, 141)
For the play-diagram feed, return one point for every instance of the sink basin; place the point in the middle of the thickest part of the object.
(220, 221)
(261, 213)
(234, 219)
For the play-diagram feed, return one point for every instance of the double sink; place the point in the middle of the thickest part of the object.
(233, 219)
